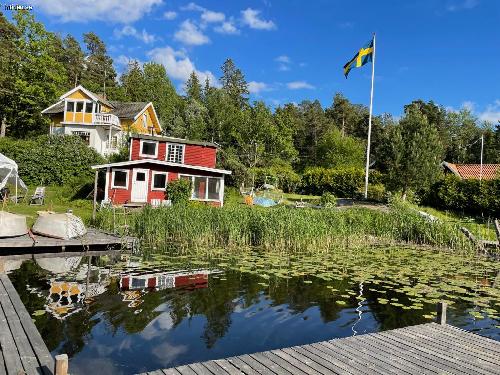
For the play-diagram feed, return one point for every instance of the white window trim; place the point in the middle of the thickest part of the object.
(147, 155)
(74, 101)
(183, 152)
(153, 174)
(113, 179)
(221, 188)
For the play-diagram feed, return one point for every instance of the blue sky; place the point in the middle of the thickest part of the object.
(290, 50)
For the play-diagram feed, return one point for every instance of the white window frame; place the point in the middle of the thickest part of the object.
(145, 120)
(183, 152)
(75, 101)
(221, 188)
(153, 174)
(147, 155)
(113, 178)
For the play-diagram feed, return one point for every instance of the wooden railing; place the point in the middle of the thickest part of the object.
(105, 119)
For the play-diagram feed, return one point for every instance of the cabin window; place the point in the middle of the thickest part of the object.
(79, 106)
(119, 179)
(137, 283)
(88, 107)
(85, 136)
(175, 153)
(149, 148)
(145, 121)
(70, 106)
(159, 180)
(204, 188)
(213, 188)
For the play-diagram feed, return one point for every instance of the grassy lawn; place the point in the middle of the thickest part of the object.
(479, 227)
(233, 197)
(56, 199)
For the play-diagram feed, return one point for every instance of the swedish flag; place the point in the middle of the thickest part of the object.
(364, 56)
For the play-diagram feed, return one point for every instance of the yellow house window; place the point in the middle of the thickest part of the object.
(145, 121)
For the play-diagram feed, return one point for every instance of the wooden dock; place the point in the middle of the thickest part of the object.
(94, 240)
(22, 350)
(422, 349)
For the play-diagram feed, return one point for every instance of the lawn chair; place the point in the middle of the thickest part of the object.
(38, 198)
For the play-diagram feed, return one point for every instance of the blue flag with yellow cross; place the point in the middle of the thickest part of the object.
(364, 56)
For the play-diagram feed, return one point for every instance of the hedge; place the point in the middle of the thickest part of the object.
(345, 182)
(283, 177)
(471, 196)
(51, 159)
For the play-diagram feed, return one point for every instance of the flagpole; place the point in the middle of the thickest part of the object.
(370, 122)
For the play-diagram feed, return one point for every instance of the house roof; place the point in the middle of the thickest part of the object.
(174, 140)
(467, 171)
(127, 110)
(161, 162)
(55, 108)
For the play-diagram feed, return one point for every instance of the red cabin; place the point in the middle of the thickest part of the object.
(154, 161)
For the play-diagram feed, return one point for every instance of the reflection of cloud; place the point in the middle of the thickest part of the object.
(157, 326)
(167, 353)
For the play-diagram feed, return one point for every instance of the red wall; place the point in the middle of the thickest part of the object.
(204, 156)
(121, 196)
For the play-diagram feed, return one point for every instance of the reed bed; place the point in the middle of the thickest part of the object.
(194, 227)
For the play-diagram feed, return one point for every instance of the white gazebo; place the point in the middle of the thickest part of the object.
(9, 175)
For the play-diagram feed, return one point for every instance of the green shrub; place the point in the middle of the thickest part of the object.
(343, 183)
(470, 196)
(179, 191)
(328, 200)
(52, 159)
(376, 192)
(281, 176)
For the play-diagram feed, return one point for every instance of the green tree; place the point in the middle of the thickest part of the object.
(416, 152)
(99, 74)
(73, 60)
(9, 63)
(337, 151)
(38, 77)
(193, 88)
(133, 82)
(234, 84)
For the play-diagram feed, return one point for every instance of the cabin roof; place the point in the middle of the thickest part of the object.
(127, 110)
(471, 171)
(160, 162)
(174, 140)
(55, 108)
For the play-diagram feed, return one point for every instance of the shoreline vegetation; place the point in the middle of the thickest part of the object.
(189, 228)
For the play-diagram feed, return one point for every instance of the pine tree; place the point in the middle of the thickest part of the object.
(73, 60)
(234, 84)
(193, 88)
(133, 82)
(99, 72)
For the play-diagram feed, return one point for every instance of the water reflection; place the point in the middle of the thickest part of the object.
(120, 315)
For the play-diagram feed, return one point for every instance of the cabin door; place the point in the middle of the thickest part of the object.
(140, 180)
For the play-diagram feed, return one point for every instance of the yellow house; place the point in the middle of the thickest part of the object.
(102, 124)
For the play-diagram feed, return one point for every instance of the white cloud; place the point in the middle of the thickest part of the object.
(170, 15)
(469, 105)
(456, 5)
(251, 18)
(256, 87)
(491, 113)
(178, 65)
(194, 7)
(298, 85)
(283, 59)
(227, 27)
(190, 34)
(117, 11)
(128, 30)
(210, 16)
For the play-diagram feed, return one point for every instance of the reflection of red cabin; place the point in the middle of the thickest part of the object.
(164, 280)
(154, 161)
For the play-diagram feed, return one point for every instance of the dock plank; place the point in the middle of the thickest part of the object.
(422, 349)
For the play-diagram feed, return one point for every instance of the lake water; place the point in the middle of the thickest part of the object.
(142, 314)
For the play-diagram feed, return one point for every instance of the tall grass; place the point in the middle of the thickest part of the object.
(281, 228)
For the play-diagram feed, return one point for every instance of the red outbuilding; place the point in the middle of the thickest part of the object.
(154, 161)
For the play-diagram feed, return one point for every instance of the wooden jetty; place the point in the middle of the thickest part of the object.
(422, 349)
(22, 350)
(94, 240)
